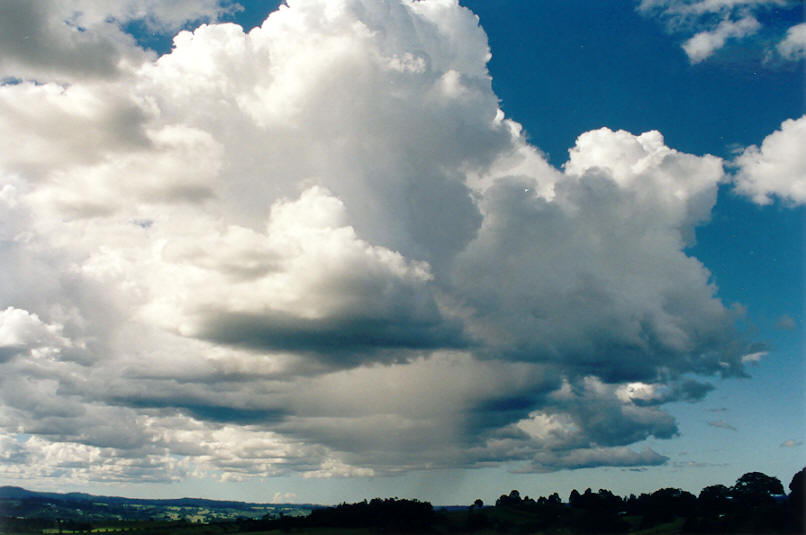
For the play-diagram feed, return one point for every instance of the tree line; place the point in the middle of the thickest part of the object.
(756, 503)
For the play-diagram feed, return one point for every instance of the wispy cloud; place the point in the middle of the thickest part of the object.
(722, 424)
(754, 358)
(785, 323)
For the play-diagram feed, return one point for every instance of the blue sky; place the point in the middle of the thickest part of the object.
(314, 265)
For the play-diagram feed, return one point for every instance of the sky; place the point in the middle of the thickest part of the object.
(336, 249)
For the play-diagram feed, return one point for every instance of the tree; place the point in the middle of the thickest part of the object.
(798, 484)
(573, 498)
(478, 503)
(513, 499)
(755, 486)
(714, 499)
(664, 505)
(797, 500)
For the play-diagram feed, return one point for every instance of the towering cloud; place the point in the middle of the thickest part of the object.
(321, 247)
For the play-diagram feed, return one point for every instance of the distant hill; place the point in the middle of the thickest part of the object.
(20, 502)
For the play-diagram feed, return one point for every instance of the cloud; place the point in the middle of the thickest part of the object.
(284, 497)
(653, 394)
(24, 333)
(793, 46)
(696, 464)
(777, 168)
(593, 457)
(710, 24)
(320, 247)
(722, 424)
(699, 7)
(791, 443)
(704, 44)
(786, 323)
(79, 39)
(543, 279)
(754, 358)
(334, 468)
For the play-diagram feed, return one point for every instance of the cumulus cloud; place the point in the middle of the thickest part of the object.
(793, 46)
(703, 44)
(777, 168)
(72, 39)
(23, 332)
(712, 23)
(320, 247)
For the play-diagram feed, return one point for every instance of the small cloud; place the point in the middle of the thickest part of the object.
(705, 43)
(718, 409)
(284, 497)
(721, 424)
(793, 46)
(754, 358)
(791, 443)
(785, 323)
(696, 464)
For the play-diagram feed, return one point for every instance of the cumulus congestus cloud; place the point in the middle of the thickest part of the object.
(321, 247)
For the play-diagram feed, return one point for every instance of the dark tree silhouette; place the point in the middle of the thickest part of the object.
(797, 501)
(665, 504)
(755, 486)
(513, 499)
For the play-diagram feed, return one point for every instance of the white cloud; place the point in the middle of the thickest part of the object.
(791, 443)
(320, 247)
(24, 333)
(335, 468)
(709, 24)
(793, 46)
(704, 44)
(544, 280)
(754, 358)
(284, 497)
(69, 40)
(703, 6)
(777, 168)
